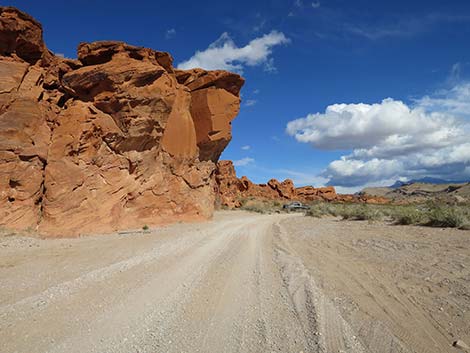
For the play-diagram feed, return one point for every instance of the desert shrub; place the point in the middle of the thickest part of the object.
(333, 209)
(446, 216)
(407, 215)
(145, 227)
(346, 211)
(315, 211)
(260, 206)
(320, 209)
(361, 212)
(388, 211)
(428, 214)
(466, 225)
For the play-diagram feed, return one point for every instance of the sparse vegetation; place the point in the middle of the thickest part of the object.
(347, 211)
(446, 216)
(428, 214)
(431, 214)
(260, 206)
(145, 227)
(407, 215)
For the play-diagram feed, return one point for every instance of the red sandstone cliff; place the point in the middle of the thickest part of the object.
(232, 189)
(115, 139)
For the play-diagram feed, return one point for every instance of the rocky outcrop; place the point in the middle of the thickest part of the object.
(232, 190)
(115, 139)
(309, 193)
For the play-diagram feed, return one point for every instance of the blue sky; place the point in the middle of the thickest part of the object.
(348, 93)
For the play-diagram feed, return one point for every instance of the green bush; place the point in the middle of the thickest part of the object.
(407, 215)
(446, 216)
(315, 212)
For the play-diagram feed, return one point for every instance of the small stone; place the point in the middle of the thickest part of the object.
(460, 344)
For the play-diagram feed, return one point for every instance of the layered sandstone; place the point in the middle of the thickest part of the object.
(115, 139)
(232, 190)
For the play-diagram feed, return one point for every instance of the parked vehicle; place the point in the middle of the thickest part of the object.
(293, 206)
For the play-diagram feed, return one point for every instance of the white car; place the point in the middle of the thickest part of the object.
(294, 206)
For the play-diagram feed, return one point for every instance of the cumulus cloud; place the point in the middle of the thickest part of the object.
(316, 4)
(224, 54)
(243, 162)
(392, 140)
(246, 147)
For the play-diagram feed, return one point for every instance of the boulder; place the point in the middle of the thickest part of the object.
(21, 36)
(116, 139)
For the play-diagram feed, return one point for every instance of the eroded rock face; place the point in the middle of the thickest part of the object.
(116, 139)
(232, 190)
(214, 104)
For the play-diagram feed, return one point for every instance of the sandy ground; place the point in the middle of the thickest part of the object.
(240, 283)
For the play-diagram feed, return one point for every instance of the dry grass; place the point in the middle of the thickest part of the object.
(261, 206)
(432, 215)
(429, 214)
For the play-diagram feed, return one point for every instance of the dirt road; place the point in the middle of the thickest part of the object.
(240, 283)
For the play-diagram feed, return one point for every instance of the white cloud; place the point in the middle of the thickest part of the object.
(389, 127)
(455, 100)
(170, 33)
(243, 162)
(316, 4)
(404, 26)
(250, 102)
(224, 54)
(455, 73)
(256, 91)
(392, 140)
(301, 178)
(269, 66)
(246, 147)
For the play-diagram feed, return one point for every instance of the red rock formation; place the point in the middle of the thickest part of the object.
(229, 187)
(231, 190)
(309, 193)
(116, 139)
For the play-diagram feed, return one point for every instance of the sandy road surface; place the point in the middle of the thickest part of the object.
(240, 283)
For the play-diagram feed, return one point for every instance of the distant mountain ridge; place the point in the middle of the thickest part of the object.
(423, 190)
(426, 180)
